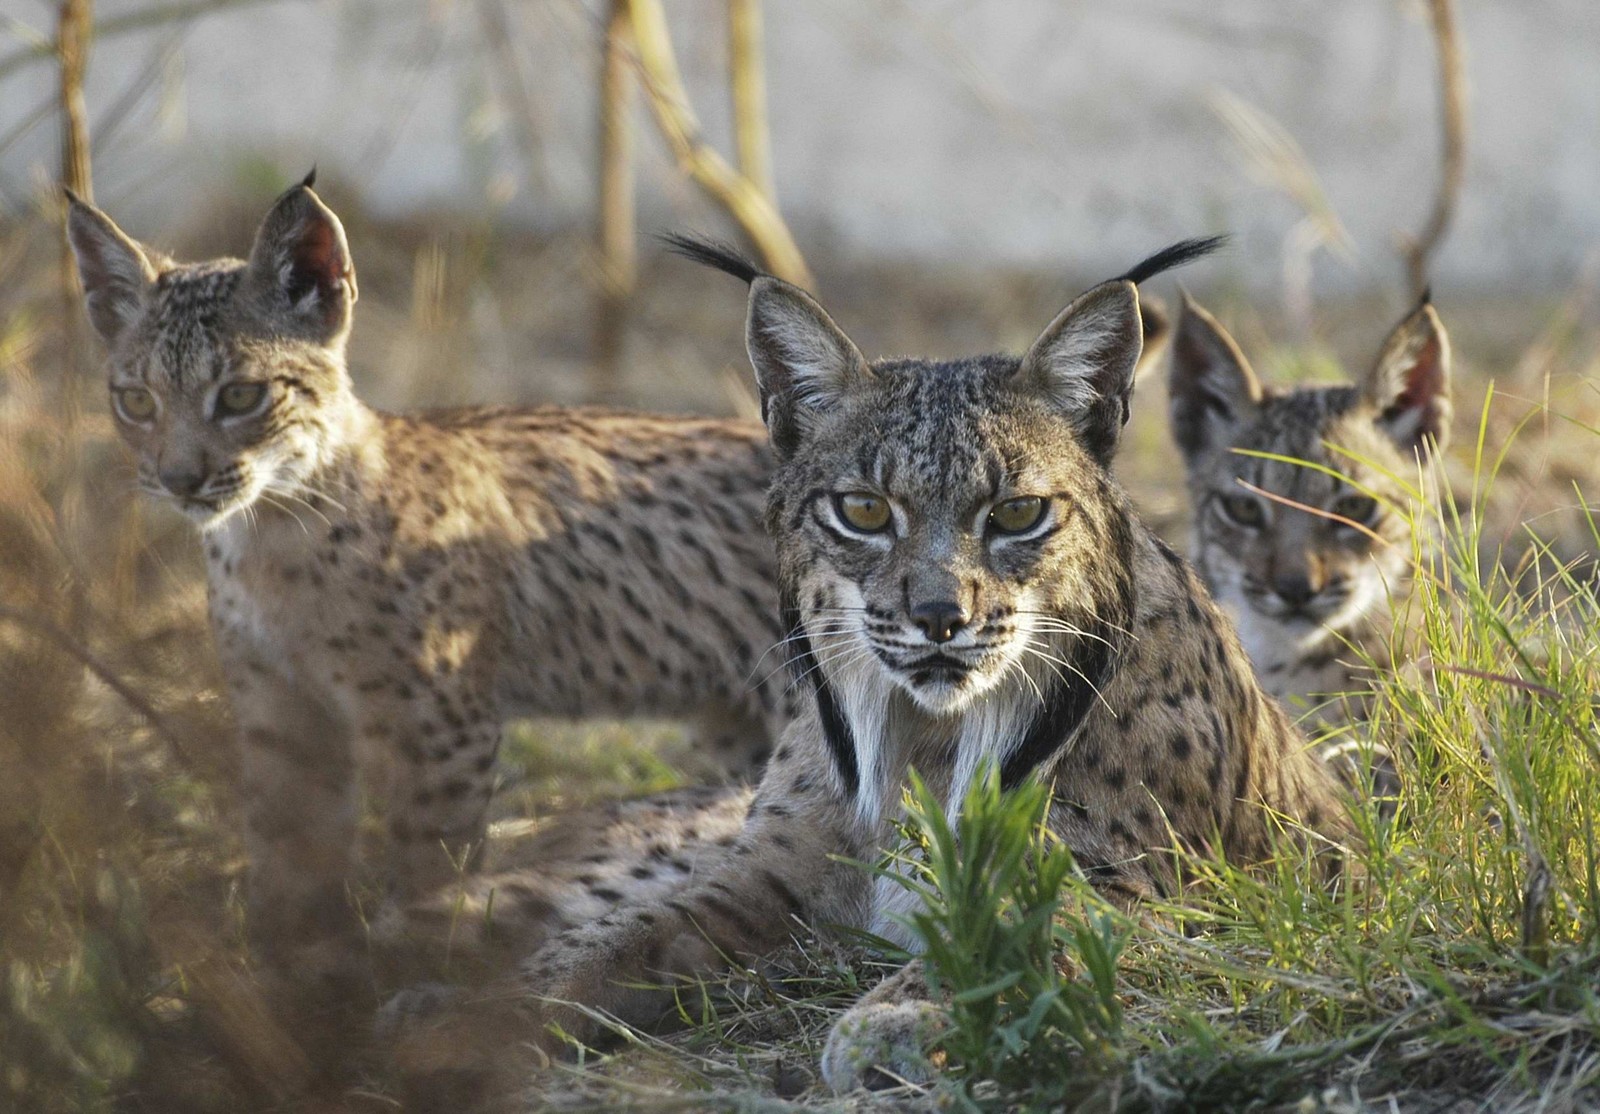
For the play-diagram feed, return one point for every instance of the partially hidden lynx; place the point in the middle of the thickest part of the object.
(1308, 557)
(386, 589)
(963, 586)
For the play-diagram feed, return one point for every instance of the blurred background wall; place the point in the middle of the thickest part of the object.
(1037, 133)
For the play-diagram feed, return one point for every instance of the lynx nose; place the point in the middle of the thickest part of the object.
(940, 620)
(1295, 589)
(182, 480)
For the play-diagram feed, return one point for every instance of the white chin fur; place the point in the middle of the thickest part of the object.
(941, 699)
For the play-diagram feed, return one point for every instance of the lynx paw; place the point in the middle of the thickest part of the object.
(878, 1045)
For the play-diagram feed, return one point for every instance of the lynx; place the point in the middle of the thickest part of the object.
(1307, 559)
(385, 590)
(964, 587)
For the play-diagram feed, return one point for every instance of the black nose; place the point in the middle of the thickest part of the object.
(182, 481)
(940, 621)
(1295, 590)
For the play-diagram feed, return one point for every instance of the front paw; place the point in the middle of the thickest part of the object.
(878, 1045)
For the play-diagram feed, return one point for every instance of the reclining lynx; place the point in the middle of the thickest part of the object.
(386, 589)
(962, 584)
(1309, 586)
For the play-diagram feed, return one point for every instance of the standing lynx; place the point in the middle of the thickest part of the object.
(386, 589)
(963, 584)
(1307, 562)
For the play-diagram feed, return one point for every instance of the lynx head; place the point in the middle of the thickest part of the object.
(946, 530)
(1326, 550)
(227, 378)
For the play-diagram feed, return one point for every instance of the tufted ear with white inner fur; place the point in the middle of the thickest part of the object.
(803, 362)
(1409, 384)
(300, 271)
(1211, 387)
(116, 272)
(1083, 363)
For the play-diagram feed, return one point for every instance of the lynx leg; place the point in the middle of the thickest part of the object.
(298, 784)
(438, 805)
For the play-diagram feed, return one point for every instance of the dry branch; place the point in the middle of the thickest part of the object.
(617, 234)
(1419, 251)
(744, 200)
(74, 30)
(74, 36)
(748, 83)
(108, 676)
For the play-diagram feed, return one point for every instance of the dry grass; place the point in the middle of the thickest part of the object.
(125, 984)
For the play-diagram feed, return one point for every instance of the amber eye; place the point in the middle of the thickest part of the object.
(1357, 508)
(866, 513)
(1017, 515)
(239, 398)
(1243, 510)
(136, 404)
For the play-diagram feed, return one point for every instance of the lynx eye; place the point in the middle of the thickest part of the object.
(1014, 516)
(239, 398)
(1361, 509)
(136, 404)
(867, 513)
(1243, 510)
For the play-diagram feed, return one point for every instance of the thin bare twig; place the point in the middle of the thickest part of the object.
(153, 16)
(71, 646)
(1418, 251)
(743, 199)
(499, 41)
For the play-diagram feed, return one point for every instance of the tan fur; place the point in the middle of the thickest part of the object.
(1140, 708)
(385, 590)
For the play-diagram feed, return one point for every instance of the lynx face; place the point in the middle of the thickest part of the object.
(1295, 549)
(219, 371)
(943, 544)
(953, 561)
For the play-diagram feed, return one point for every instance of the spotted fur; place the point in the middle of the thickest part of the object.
(1076, 648)
(385, 590)
(1307, 558)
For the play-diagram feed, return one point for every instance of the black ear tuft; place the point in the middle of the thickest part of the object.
(713, 254)
(311, 177)
(1184, 251)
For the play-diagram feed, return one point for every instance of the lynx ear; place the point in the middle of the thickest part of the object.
(803, 361)
(116, 272)
(1409, 385)
(1083, 363)
(300, 267)
(1210, 384)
